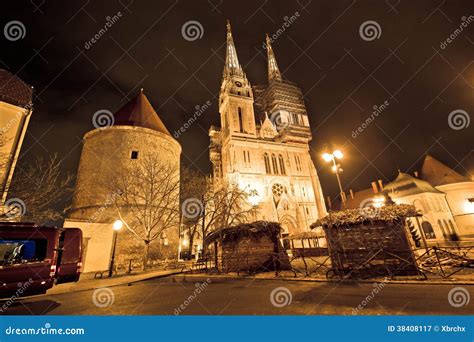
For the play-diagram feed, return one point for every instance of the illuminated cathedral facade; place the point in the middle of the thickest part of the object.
(262, 145)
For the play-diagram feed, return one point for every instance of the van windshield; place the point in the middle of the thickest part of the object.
(19, 251)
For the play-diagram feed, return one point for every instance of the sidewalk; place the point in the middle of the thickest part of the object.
(461, 280)
(89, 284)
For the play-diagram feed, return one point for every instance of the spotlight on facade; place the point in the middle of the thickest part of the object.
(118, 225)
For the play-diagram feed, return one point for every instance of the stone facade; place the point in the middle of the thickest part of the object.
(263, 145)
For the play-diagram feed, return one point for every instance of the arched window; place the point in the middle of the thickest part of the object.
(428, 230)
(441, 226)
(282, 164)
(241, 121)
(267, 163)
(274, 164)
(451, 225)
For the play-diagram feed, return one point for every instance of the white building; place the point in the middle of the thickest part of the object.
(459, 192)
(16, 108)
(437, 224)
(263, 144)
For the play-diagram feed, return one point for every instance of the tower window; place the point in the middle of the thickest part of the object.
(241, 122)
(282, 164)
(267, 163)
(298, 163)
(296, 119)
(274, 164)
(134, 155)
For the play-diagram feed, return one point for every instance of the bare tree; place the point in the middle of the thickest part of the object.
(43, 188)
(148, 201)
(193, 186)
(224, 205)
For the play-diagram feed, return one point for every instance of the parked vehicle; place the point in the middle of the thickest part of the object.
(34, 258)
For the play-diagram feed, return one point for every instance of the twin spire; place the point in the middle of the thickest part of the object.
(233, 67)
(273, 71)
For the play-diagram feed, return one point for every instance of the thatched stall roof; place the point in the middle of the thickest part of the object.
(254, 229)
(304, 235)
(389, 213)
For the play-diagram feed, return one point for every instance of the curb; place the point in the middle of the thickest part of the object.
(314, 280)
(70, 289)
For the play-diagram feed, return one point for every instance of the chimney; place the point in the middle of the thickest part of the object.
(416, 174)
(374, 187)
(380, 185)
(351, 193)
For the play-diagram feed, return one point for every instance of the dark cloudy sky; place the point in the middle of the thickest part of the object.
(342, 75)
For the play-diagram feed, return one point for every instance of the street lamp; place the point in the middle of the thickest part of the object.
(336, 168)
(116, 227)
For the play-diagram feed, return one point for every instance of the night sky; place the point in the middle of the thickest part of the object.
(342, 75)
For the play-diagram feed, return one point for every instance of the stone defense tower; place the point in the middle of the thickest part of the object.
(107, 154)
(16, 107)
(263, 144)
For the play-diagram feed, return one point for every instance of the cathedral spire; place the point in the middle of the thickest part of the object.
(273, 71)
(232, 66)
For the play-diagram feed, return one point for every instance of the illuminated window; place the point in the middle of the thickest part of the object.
(282, 164)
(298, 163)
(428, 230)
(241, 122)
(267, 163)
(274, 164)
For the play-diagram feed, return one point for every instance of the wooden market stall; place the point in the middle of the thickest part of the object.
(249, 247)
(370, 242)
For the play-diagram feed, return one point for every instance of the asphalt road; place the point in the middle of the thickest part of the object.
(196, 296)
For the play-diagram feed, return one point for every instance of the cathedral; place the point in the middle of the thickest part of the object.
(262, 145)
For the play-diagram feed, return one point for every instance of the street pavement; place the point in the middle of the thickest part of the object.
(191, 295)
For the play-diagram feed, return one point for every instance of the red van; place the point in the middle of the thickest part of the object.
(33, 258)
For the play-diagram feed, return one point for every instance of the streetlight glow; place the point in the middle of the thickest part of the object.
(338, 154)
(331, 157)
(118, 225)
(327, 157)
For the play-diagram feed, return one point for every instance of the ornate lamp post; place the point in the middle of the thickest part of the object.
(116, 227)
(336, 168)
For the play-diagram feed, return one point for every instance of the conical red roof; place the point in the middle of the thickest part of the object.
(139, 112)
(437, 173)
(14, 91)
